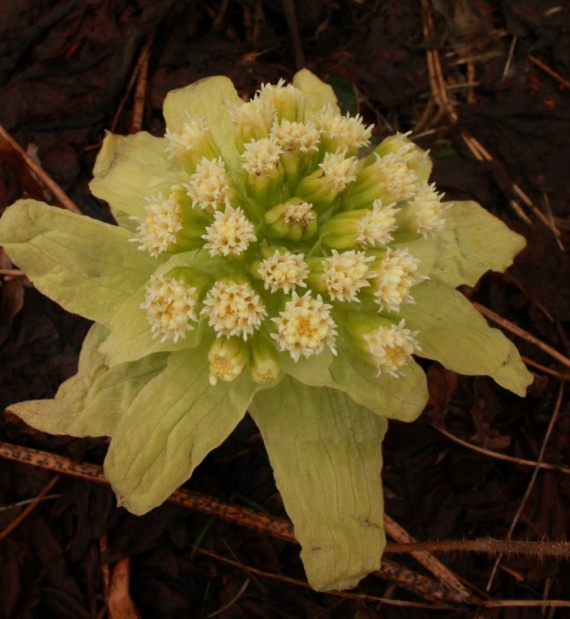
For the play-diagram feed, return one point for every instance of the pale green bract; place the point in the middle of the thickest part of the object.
(263, 262)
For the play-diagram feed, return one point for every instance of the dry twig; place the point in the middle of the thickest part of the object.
(276, 527)
(30, 508)
(532, 481)
(7, 142)
(515, 330)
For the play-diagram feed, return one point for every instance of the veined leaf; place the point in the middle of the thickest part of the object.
(403, 397)
(129, 170)
(318, 93)
(173, 423)
(452, 332)
(475, 242)
(326, 455)
(208, 98)
(91, 402)
(88, 267)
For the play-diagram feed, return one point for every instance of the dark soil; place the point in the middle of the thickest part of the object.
(68, 71)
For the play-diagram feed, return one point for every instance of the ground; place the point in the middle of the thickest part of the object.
(484, 85)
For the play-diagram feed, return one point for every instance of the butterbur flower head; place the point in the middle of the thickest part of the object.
(209, 186)
(362, 228)
(338, 169)
(158, 228)
(426, 211)
(252, 120)
(395, 275)
(343, 132)
(288, 101)
(283, 272)
(346, 273)
(261, 157)
(295, 137)
(391, 347)
(377, 225)
(293, 220)
(170, 306)
(230, 233)
(333, 174)
(305, 327)
(227, 359)
(192, 143)
(233, 309)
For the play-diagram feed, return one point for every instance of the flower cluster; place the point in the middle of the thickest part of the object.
(267, 259)
(303, 232)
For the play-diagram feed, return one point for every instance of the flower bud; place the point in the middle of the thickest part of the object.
(322, 186)
(264, 361)
(288, 101)
(361, 228)
(253, 121)
(381, 342)
(294, 220)
(193, 143)
(261, 162)
(227, 359)
(415, 157)
(386, 178)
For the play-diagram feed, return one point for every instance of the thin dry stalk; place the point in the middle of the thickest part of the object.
(142, 59)
(515, 330)
(431, 563)
(299, 583)
(541, 65)
(30, 508)
(489, 546)
(140, 89)
(276, 527)
(500, 456)
(553, 420)
(8, 142)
